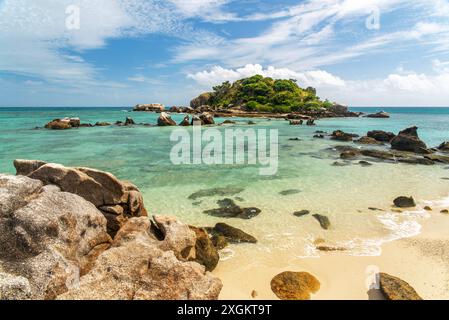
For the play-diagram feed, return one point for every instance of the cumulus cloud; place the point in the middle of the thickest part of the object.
(218, 74)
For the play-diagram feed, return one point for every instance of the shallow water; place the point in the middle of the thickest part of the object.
(344, 194)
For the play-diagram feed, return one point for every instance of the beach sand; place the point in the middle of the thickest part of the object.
(422, 261)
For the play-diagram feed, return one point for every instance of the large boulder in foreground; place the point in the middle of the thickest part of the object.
(165, 120)
(143, 265)
(394, 288)
(55, 245)
(47, 238)
(408, 140)
(117, 200)
(294, 285)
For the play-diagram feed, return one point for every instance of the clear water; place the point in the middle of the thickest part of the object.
(344, 194)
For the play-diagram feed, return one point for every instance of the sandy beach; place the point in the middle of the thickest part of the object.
(420, 260)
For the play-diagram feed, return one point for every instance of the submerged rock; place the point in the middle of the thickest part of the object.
(289, 192)
(394, 288)
(342, 136)
(129, 121)
(63, 124)
(229, 209)
(102, 124)
(349, 154)
(404, 202)
(323, 220)
(301, 213)
(226, 191)
(365, 163)
(294, 285)
(408, 140)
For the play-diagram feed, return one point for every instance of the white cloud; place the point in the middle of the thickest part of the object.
(219, 74)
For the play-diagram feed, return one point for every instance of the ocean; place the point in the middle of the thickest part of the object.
(142, 155)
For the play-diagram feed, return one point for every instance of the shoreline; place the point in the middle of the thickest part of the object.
(421, 260)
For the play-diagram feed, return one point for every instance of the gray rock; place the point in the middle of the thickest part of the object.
(404, 202)
(323, 220)
(233, 235)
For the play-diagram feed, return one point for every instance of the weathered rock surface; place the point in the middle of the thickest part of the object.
(63, 124)
(367, 140)
(100, 188)
(144, 264)
(155, 107)
(408, 140)
(46, 237)
(206, 252)
(381, 114)
(404, 202)
(394, 288)
(14, 287)
(165, 120)
(294, 285)
(381, 136)
(343, 136)
(232, 234)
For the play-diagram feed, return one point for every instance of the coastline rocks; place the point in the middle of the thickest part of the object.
(47, 237)
(310, 122)
(129, 121)
(437, 158)
(102, 124)
(408, 140)
(185, 122)
(296, 122)
(165, 120)
(142, 265)
(294, 285)
(394, 288)
(349, 154)
(201, 100)
(229, 209)
(381, 114)
(444, 146)
(102, 189)
(63, 124)
(367, 140)
(155, 107)
(206, 118)
(14, 287)
(232, 235)
(228, 122)
(206, 252)
(323, 220)
(381, 136)
(342, 136)
(404, 202)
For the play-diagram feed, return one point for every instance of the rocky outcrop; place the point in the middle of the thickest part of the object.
(55, 245)
(408, 140)
(343, 136)
(47, 238)
(206, 251)
(394, 288)
(185, 122)
(165, 120)
(444, 146)
(155, 107)
(404, 202)
(129, 121)
(381, 136)
(206, 118)
(63, 124)
(367, 140)
(117, 200)
(145, 264)
(381, 114)
(232, 234)
(294, 285)
(102, 124)
(201, 100)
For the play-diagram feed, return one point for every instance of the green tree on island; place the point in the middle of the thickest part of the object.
(261, 94)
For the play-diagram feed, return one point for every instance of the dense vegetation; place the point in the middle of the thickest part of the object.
(266, 95)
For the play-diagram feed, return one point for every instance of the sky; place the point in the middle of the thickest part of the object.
(125, 52)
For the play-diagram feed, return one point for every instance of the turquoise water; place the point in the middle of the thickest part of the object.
(344, 194)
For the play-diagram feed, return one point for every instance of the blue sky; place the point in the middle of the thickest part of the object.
(124, 52)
